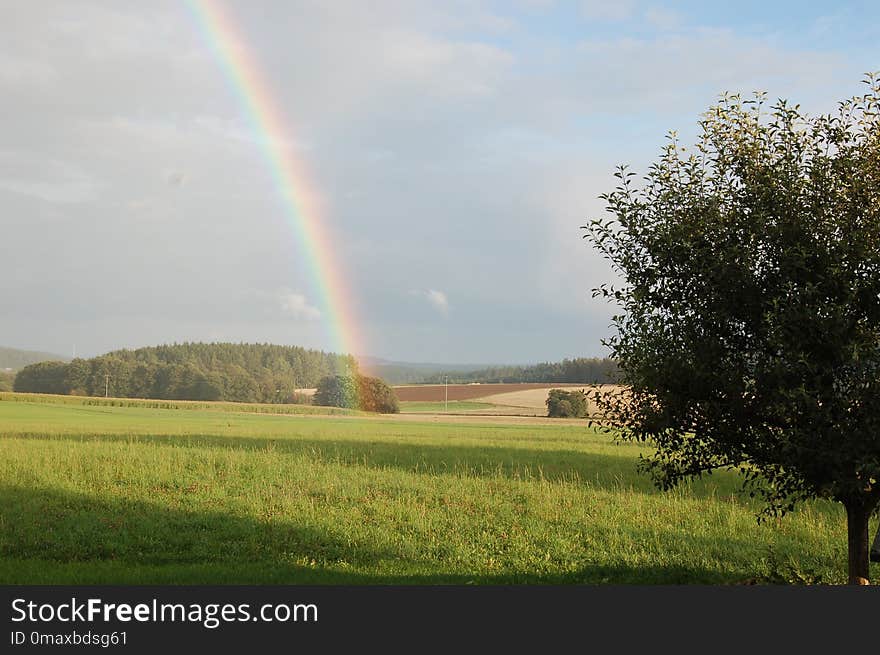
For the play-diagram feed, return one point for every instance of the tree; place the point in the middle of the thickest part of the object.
(337, 391)
(7, 379)
(376, 396)
(748, 330)
(566, 404)
(356, 392)
(42, 377)
(76, 377)
(240, 385)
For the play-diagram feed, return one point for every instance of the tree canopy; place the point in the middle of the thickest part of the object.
(357, 392)
(748, 330)
(7, 379)
(563, 403)
(588, 370)
(190, 371)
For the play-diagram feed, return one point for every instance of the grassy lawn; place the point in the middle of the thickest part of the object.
(104, 494)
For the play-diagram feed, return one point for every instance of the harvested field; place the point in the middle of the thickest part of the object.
(501, 399)
(529, 399)
(532, 400)
(436, 392)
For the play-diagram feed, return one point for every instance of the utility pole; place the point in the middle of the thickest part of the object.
(446, 392)
(106, 385)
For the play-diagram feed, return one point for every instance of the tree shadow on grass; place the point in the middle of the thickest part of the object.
(60, 528)
(598, 470)
(54, 537)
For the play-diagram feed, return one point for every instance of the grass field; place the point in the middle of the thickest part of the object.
(256, 408)
(453, 406)
(141, 494)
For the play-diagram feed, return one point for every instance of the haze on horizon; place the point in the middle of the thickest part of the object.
(456, 148)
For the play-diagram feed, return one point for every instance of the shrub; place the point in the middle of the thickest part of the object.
(567, 404)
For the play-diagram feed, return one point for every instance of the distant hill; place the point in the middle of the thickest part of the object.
(410, 372)
(15, 359)
(580, 370)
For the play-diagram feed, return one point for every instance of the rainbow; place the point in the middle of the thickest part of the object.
(300, 202)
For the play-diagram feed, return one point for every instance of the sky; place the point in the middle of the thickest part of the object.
(454, 150)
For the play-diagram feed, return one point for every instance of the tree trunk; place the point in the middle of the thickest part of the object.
(857, 515)
(875, 547)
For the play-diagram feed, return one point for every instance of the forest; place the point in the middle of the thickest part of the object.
(190, 371)
(588, 370)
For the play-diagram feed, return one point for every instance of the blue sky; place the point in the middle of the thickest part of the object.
(457, 148)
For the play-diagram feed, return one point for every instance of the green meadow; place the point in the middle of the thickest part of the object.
(219, 493)
(435, 407)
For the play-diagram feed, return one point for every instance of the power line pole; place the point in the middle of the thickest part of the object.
(106, 385)
(446, 390)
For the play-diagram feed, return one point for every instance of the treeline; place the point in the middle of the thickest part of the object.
(587, 370)
(261, 373)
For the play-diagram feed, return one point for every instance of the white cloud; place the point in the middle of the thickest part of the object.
(437, 299)
(295, 305)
